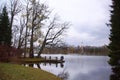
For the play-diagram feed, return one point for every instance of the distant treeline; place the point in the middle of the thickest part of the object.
(83, 50)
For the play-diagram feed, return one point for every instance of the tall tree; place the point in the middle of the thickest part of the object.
(38, 13)
(114, 45)
(5, 30)
(28, 31)
(15, 7)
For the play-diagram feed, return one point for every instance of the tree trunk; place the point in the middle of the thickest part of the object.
(43, 44)
(31, 45)
(25, 42)
(26, 32)
(11, 21)
(42, 48)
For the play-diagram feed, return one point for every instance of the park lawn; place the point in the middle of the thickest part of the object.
(18, 72)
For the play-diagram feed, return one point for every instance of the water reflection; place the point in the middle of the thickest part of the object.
(38, 65)
(83, 67)
(99, 74)
(56, 64)
(63, 75)
(77, 67)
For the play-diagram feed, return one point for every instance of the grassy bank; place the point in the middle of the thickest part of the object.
(17, 72)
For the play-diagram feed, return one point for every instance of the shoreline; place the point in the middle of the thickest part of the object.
(10, 71)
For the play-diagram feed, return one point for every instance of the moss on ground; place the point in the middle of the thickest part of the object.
(18, 72)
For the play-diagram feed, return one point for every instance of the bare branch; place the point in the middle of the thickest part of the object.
(54, 33)
(16, 7)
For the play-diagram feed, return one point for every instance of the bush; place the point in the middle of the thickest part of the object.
(7, 52)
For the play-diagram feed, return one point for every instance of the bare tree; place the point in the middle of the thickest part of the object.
(37, 14)
(15, 8)
(21, 37)
(32, 19)
(54, 34)
(19, 33)
(28, 31)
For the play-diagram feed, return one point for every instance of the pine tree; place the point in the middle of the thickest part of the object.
(114, 45)
(5, 30)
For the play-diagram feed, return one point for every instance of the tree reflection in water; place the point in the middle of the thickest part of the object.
(45, 64)
(63, 75)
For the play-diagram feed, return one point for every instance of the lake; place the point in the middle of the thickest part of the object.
(80, 67)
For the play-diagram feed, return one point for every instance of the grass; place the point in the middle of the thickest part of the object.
(18, 72)
(31, 59)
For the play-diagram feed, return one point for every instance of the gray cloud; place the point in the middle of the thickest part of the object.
(88, 18)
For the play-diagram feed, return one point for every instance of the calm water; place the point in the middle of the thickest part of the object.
(78, 67)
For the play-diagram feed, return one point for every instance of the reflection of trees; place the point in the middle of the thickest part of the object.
(56, 64)
(38, 65)
(45, 64)
(63, 75)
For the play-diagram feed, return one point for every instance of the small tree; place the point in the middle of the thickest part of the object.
(114, 45)
(5, 30)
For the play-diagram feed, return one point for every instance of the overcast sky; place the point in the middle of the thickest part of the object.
(88, 19)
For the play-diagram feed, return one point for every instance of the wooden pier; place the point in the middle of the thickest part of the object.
(53, 60)
(46, 59)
